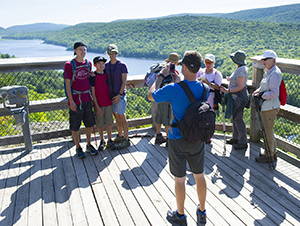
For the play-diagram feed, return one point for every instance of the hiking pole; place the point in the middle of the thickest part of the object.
(224, 127)
(266, 144)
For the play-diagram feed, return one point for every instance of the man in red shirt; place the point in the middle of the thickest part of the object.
(79, 97)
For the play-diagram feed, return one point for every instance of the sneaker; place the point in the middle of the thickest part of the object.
(79, 153)
(160, 139)
(111, 145)
(201, 217)
(118, 139)
(231, 141)
(124, 144)
(101, 146)
(240, 146)
(91, 149)
(174, 219)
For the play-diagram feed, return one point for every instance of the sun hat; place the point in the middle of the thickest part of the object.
(239, 57)
(210, 57)
(269, 54)
(173, 58)
(111, 48)
(99, 58)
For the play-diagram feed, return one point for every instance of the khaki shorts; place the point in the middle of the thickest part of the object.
(163, 113)
(105, 119)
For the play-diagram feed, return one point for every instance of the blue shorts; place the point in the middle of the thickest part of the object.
(120, 107)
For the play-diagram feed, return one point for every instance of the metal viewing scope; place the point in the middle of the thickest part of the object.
(15, 99)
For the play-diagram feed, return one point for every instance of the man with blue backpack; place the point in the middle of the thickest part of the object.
(78, 90)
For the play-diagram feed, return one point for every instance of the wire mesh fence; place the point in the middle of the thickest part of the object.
(45, 85)
(48, 84)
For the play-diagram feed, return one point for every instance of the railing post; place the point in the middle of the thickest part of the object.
(257, 75)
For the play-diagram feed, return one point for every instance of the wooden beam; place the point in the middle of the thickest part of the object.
(64, 133)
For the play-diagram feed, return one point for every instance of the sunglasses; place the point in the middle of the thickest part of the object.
(111, 53)
(208, 62)
(266, 59)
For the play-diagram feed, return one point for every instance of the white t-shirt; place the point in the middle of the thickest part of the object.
(215, 77)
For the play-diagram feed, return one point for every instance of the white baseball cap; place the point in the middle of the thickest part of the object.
(210, 57)
(269, 54)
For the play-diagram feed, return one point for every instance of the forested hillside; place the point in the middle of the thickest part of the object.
(278, 14)
(35, 27)
(157, 38)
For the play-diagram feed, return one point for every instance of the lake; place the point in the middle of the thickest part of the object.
(36, 48)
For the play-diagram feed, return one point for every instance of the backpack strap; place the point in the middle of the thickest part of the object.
(73, 63)
(189, 93)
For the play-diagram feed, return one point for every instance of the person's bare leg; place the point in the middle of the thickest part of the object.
(108, 130)
(76, 138)
(88, 132)
(201, 190)
(119, 124)
(180, 193)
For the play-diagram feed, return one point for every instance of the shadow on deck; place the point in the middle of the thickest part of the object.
(49, 186)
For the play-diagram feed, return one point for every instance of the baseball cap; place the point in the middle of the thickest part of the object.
(192, 59)
(269, 54)
(173, 58)
(111, 48)
(210, 57)
(77, 44)
(99, 58)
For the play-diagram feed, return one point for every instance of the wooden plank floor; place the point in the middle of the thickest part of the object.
(49, 186)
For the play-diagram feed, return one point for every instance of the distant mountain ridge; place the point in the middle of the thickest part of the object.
(36, 27)
(276, 14)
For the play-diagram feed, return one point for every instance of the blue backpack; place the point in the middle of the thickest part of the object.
(74, 68)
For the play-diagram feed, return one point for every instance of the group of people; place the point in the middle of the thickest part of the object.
(104, 90)
(108, 97)
(180, 151)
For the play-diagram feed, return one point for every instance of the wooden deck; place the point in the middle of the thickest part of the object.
(49, 186)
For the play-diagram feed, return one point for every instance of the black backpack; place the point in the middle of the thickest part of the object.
(198, 122)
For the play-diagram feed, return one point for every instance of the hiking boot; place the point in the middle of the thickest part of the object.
(79, 153)
(160, 139)
(111, 145)
(118, 139)
(101, 146)
(240, 146)
(263, 158)
(275, 156)
(201, 216)
(174, 219)
(123, 144)
(90, 148)
(231, 141)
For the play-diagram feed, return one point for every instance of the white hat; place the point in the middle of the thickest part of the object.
(269, 54)
(210, 57)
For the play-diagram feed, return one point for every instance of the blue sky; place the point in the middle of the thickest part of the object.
(19, 12)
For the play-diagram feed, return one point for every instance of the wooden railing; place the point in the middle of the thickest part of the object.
(57, 63)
